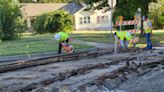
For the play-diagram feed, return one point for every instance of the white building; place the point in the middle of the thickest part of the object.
(92, 20)
(83, 19)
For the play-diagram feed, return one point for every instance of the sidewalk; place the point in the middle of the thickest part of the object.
(94, 44)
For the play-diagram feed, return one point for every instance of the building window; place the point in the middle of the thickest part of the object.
(89, 20)
(98, 19)
(102, 19)
(85, 20)
(81, 20)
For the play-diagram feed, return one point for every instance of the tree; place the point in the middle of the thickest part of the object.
(126, 8)
(157, 13)
(44, 1)
(26, 1)
(9, 19)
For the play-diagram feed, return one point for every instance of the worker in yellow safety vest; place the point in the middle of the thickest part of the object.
(61, 37)
(128, 37)
(123, 38)
(147, 25)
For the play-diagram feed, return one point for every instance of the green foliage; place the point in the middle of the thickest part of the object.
(26, 1)
(20, 26)
(40, 23)
(157, 13)
(44, 1)
(126, 8)
(9, 19)
(53, 22)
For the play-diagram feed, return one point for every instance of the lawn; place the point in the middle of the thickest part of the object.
(93, 36)
(105, 37)
(30, 44)
(156, 37)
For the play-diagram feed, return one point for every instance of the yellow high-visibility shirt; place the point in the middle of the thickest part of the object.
(64, 36)
(146, 27)
(120, 34)
(128, 36)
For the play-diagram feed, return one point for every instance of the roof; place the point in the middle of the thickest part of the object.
(35, 9)
(72, 8)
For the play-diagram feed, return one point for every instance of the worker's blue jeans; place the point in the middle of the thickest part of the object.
(148, 40)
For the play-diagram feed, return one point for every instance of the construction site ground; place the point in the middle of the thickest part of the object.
(94, 70)
(132, 71)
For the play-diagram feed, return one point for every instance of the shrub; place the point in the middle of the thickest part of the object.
(40, 23)
(20, 27)
(53, 22)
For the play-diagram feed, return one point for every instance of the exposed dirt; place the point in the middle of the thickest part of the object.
(107, 73)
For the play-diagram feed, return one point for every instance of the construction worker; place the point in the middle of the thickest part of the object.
(147, 25)
(119, 37)
(123, 37)
(61, 37)
(128, 37)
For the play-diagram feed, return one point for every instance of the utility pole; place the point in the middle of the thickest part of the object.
(112, 4)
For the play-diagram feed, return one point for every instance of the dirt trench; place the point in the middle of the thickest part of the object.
(97, 74)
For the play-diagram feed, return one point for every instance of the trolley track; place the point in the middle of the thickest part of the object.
(82, 75)
(47, 60)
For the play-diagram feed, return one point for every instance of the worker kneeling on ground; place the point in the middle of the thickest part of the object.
(63, 39)
(123, 38)
(128, 37)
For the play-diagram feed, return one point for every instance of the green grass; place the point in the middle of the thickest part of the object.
(95, 37)
(31, 44)
(105, 37)
(155, 37)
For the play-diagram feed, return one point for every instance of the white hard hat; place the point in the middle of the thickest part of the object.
(57, 36)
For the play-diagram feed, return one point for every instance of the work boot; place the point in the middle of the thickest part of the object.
(148, 48)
